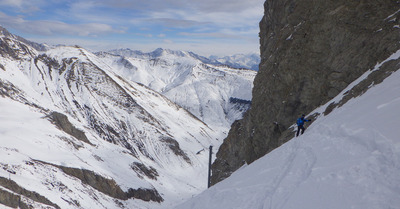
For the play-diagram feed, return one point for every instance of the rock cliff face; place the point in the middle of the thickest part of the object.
(310, 51)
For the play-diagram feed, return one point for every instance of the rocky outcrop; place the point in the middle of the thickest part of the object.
(62, 122)
(142, 170)
(13, 194)
(310, 51)
(174, 146)
(108, 186)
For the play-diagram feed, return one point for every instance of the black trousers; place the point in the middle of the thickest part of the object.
(298, 130)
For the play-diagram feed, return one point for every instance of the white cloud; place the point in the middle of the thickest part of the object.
(203, 6)
(22, 5)
(176, 23)
(212, 35)
(82, 5)
(12, 3)
(201, 47)
(45, 27)
(200, 25)
(167, 41)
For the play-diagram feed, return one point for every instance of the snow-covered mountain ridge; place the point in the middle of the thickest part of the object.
(244, 61)
(249, 61)
(347, 158)
(78, 133)
(210, 92)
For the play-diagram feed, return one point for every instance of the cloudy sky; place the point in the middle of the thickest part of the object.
(206, 27)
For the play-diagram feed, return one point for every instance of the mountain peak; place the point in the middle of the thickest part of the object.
(4, 32)
(165, 52)
(40, 47)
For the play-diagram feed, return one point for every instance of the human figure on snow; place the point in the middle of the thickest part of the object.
(300, 124)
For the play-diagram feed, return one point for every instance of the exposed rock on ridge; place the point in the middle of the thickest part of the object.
(62, 122)
(310, 51)
(15, 196)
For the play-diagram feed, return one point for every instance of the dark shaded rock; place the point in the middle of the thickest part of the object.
(50, 62)
(174, 146)
(374, 78)
(98, 182)
(8, 89)
(13, 49)
(109, 186)
(142, 169)
(16, 52)
(145, 194)
(14, 201)
(239, 101)
(11, 200)
(62, 122)
(310, 51)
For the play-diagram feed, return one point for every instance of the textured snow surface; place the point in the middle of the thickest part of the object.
(347, 159)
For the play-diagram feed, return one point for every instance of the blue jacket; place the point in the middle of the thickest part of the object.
(300, 121)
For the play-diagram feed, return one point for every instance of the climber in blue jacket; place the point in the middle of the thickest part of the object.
(300, 124)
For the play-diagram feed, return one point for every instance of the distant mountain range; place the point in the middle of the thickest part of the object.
(194, 82)
(246, 61)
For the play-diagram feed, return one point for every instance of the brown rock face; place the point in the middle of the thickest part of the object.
(310, 51)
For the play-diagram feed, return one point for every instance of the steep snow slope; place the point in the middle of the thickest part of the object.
(81, 136)
(347, 159)
(218, 95)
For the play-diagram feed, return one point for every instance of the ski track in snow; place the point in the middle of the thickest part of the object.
(290, 176)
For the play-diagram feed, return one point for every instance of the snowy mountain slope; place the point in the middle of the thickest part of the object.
(81, 136)
(347, 159)
(218, 95)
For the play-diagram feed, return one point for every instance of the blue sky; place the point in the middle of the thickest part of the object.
(206, 27)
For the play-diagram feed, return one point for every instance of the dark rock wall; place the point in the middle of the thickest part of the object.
(310, 51)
